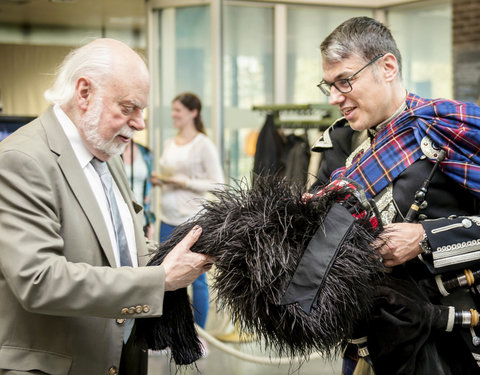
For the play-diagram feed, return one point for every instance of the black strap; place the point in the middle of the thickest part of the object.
(317, 259)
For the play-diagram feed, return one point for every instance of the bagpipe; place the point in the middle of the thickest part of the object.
(300, 272)
(260, 237)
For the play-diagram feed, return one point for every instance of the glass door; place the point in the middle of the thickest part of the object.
(181, 58)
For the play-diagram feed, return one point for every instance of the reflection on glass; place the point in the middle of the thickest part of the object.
(248, 79)
(307, 27)
(427, 60)
(248, 55)
(193, 52)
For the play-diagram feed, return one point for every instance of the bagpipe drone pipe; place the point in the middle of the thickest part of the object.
(301, 273)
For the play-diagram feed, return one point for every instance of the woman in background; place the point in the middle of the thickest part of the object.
(189, 168)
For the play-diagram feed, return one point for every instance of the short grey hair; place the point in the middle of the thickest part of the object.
(362, 36)
(93, 61)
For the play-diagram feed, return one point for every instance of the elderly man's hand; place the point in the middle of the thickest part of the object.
(183, 266)
(401, 242)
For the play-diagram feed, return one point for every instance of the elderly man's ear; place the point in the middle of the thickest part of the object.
(83, 93)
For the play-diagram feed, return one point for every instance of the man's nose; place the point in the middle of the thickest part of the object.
(336, 97)
(137, 122)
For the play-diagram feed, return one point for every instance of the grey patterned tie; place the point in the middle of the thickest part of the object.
(102, 169)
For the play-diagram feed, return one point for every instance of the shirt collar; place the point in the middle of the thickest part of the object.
(376, 129)
(82, 153)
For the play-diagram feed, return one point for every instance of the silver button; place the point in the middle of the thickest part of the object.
(466, 223)
(476, 341)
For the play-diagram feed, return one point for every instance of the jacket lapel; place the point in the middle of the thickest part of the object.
(68, 163)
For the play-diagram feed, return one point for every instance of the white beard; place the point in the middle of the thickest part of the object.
(89, 124)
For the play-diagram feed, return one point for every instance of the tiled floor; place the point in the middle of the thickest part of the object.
(220, 363)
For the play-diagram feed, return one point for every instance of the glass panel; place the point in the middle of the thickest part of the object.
(248, 55)
(193, 52)
(184, 63)
(248, 79)
(423, 35)
(307, 27)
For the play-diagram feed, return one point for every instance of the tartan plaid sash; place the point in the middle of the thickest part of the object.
(452, 125)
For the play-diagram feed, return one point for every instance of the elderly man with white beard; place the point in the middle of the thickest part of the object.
(71, 281)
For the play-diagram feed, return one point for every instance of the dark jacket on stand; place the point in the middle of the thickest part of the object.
(269, 150)
(279, 155)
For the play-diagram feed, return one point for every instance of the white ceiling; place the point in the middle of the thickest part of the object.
(128, 14)
(122, 14)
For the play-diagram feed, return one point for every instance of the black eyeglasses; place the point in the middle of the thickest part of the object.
(343, 85)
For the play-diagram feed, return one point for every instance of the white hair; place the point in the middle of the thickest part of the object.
(93, 60)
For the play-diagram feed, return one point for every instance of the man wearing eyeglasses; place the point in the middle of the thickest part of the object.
(388, 142)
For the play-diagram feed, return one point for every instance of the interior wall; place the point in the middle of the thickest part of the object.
(26, 71)
(466, 50)
(30, 56)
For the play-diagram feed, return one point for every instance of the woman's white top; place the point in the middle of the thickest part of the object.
(198, 164)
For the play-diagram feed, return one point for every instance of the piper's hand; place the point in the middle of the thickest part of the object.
(306, 197)
(183, 266)
(400, 242)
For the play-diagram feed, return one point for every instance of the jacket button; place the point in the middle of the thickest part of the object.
(120, 321)
(146, 308)
(138, 309)
(113, 371)
(124, 311)
(466, 223)
(131, 310)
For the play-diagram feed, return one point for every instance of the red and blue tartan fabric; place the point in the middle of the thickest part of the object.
(453, 126)
(351, 199)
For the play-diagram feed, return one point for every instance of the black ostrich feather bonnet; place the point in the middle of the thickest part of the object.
(296, 272)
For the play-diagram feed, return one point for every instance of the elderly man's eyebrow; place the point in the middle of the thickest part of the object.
(132, 104)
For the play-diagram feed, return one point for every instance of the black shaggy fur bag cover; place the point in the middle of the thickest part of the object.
(258, 236)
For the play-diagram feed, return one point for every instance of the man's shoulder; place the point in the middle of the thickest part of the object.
(340, 130)
(33, 139)
(24, 137)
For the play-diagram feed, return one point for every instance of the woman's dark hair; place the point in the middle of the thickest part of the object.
(192, 102)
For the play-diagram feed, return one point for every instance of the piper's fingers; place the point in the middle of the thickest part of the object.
(306, 197)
